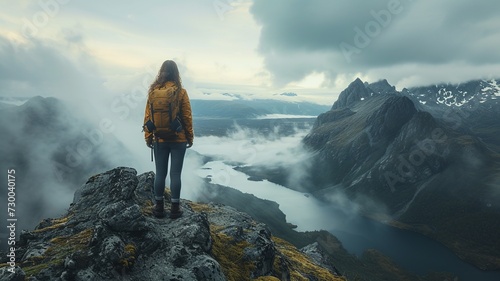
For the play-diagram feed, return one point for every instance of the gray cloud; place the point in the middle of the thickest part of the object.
(308, 25)
(41, 67)
(362, 37)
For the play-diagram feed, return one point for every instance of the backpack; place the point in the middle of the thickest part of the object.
(165, 110)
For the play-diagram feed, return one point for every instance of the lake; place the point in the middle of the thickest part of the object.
(413, 251)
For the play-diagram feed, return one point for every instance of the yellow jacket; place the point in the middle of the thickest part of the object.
(187, 134)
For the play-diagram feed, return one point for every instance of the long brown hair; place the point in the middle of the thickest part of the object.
(168, 72)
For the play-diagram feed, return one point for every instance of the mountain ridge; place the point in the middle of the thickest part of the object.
(407, 158)
(252, 108)
(456, 95)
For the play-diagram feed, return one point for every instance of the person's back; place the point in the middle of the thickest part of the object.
(169, 131)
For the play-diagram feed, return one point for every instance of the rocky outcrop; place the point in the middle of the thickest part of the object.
(109, 233)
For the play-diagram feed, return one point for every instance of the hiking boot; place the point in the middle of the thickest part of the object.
(159, 209)
(175, 210)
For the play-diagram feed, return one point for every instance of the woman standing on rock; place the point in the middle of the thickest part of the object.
(168, 127)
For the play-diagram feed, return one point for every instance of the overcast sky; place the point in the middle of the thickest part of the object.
(82, 49)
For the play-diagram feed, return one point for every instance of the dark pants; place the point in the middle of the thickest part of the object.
(162, 152)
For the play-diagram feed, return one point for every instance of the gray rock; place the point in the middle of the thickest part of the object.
(130, 219)
(206, 268)
(317, 255)
(112, 249)
(87, 275)
(110, 234)
(6, 275)
(36, 251)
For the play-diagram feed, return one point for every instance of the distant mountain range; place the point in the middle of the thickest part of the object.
(468, 94)
(218, 117)
(252, 108)
(425, 159)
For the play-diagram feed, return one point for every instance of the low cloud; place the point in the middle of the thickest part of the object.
(253, 147)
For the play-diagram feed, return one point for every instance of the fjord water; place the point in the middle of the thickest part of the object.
(414, 252)
(257, 142)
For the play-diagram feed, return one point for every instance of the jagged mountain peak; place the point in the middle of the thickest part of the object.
(357, 81)
(109, 233)
(382, 87)
(470, 94)
(358, 91)
(355, 92)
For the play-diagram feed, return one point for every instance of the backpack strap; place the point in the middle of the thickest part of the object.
(179, 106)
(153, 119)
(170, 112)
(151, 109)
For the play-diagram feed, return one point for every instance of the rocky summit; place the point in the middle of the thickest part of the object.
(109, 233)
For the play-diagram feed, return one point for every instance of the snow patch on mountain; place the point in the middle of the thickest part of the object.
(492, 87)
(460, 95)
